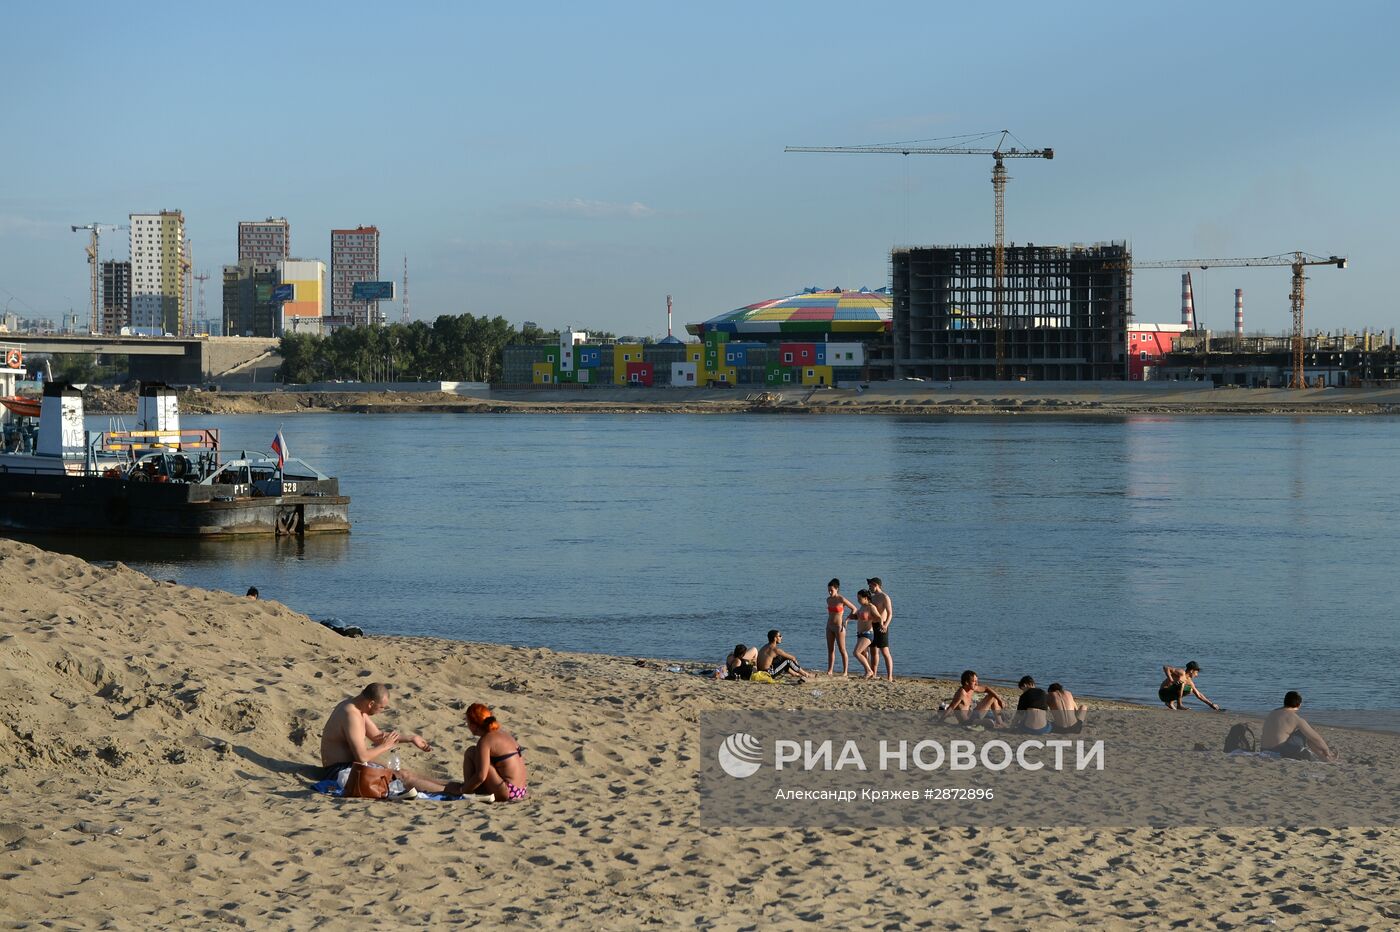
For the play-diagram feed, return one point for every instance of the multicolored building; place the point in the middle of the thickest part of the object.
(303, 313)
(811, 339)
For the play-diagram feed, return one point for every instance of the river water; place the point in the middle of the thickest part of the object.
(1086, 550)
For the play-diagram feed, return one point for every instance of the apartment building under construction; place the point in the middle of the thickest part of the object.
(1064, 309)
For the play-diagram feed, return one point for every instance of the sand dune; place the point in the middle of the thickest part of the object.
(185, 719)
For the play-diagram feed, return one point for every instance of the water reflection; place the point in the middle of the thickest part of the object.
(151, 552)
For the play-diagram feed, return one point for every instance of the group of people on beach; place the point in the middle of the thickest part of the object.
(872, 616)
(494, 766)
(1052, 710)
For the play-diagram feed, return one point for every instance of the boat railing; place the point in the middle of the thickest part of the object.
(128, 446)
(121, 441)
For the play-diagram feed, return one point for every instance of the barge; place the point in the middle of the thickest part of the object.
(157, 480)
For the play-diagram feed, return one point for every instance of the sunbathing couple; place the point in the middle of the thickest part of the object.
(770, 659)
(1038, 711)
(495, 766)
(873, 616)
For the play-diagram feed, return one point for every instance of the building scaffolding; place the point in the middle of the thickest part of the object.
(1064, 310)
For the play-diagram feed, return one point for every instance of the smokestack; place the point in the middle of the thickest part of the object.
(1239, 313)
(668, 315)
(1188, 312)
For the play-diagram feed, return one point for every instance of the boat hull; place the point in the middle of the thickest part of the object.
(100, 505)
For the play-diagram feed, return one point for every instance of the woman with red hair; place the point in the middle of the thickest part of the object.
(496, 766)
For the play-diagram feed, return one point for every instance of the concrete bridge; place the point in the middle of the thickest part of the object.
(173, 360)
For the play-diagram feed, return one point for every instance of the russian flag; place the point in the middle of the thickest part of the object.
(279, 446)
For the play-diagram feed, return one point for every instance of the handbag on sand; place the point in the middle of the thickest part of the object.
(368, 782)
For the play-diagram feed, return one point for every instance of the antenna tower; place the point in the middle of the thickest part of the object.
(202, 277)
(405, 289)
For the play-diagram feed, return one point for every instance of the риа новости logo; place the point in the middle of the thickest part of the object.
(740, 755)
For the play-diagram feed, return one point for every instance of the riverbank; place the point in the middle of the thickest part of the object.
(187, 718)
(903, 399)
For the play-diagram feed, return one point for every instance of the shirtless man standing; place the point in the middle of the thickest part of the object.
(350, 736)
(1286, 734)
(884, 614)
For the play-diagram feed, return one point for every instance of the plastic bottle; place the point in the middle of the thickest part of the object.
(394, 762)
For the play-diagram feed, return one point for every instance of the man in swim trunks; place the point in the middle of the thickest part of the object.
(1068, 717)
(884, 614)
(968, 709)
(1179, 683)
(1288, 735)
(350, 736)
(775, 661)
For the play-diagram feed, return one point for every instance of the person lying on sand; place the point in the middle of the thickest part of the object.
(741, 664)
(775, 661)
(1288, 735)
(1032, 709)
(496, 765)
(968, 709)
(1179, 683)
(350, 736)
(1068, 717)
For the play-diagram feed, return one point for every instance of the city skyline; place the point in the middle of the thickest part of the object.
(637, 152)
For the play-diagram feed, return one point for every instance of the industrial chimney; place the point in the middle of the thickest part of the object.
(1239, 313)
(1188, 312)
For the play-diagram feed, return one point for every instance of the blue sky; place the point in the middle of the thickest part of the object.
(575, 163)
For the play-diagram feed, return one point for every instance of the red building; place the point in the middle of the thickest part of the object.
(798, 354)
(1147, 344)
(639, 373)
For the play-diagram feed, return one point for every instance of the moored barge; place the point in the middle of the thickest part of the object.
(158, 480)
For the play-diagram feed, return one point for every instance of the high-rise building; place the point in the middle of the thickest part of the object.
(157, 251)
(304, 312)
(116, 296)
(249, 310)
(264, 242)
(354, 258)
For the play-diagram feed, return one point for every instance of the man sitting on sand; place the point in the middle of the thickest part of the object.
(1287, 735)
(1067, 717)
(1032, 709)
(968, 709)
(775, 661)
(350, 736)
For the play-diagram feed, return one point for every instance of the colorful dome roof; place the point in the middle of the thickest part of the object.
(856, 312)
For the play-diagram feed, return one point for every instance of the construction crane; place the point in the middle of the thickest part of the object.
(961, 145)
(1296, 260)
(94, 241)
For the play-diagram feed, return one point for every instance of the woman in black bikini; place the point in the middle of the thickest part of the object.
(496, 766)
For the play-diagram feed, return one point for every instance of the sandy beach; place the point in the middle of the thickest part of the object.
(187, 720)
(901, 399)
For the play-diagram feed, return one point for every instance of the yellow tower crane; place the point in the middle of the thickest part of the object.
(94, 269)
(962, 145)
(1296, 260)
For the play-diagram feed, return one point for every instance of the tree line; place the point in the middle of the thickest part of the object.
(460, 348)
